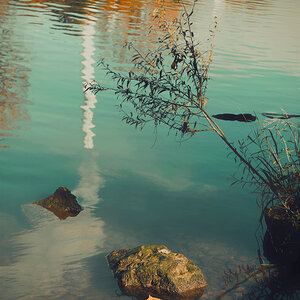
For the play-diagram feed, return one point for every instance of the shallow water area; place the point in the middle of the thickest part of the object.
(135, 187)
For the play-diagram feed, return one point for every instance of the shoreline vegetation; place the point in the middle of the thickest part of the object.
(166, 87)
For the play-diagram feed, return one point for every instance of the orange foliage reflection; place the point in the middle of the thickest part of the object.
(130, 21)
(126, 17)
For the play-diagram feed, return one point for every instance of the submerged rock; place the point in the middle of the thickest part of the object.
(236, 117)
(156, 271)
(279, 116)
(62, 203)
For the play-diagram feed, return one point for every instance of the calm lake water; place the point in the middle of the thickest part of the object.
(135, 188)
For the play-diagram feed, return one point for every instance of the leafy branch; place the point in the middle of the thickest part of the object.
(167, 86)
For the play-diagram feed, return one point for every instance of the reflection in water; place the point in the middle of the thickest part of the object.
(256, 37)
(90, 181)
(50, 262)
(64, 15)
(125, 18)
(132, 20)
(215, 258)
(49, 259)
(88, 75)
(13, 77)
(251, 5)
(135, 17)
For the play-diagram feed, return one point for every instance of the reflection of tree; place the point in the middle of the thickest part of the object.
(133, 19)
(14, 78)
(66, 14)
(131, 13)
(68, 6)
(129, 17)
(263, 282)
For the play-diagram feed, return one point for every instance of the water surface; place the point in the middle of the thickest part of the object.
(135, 187)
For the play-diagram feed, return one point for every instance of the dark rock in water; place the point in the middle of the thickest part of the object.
(281, 244)
(279, 116)
(62, 203)
(156, 271)
(234, 117)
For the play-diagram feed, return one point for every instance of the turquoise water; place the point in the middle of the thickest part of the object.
(135, 188)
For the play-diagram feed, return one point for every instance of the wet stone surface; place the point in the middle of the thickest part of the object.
(62, 203)
(156, 271)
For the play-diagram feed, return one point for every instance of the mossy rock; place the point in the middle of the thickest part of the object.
(62, 203)
(156, 271)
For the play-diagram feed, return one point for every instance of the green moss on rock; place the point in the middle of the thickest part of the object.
(156, 270)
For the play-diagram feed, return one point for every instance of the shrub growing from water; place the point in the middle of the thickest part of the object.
(167, 85)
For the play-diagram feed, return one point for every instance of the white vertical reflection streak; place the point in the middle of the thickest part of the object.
(50, 262)
(90, 180)
(88, 75)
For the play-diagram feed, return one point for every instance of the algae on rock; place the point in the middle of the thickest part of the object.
(156, 271)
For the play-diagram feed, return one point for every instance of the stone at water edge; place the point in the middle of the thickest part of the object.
(156, 271)
(62, 203)
(281, 241)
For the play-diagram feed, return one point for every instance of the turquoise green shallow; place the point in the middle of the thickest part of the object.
(135, 188)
